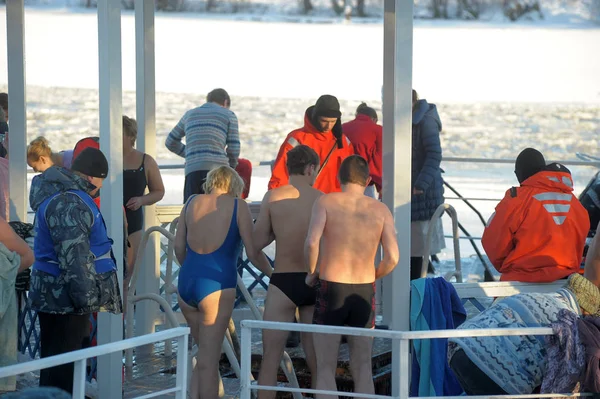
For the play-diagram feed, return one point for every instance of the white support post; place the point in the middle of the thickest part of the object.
(110, 327)
(79, 379)
(15, 35)
(397, 139)
(245, 364)
(148, 278)
(182, 364)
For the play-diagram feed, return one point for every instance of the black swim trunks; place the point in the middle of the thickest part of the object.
(340, 304)
(294, 287)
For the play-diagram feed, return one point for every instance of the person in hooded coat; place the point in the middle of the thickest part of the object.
(74, 273)
(538, 230)
(427, 183)
(322, 132)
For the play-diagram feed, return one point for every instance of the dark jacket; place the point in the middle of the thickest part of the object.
(69, 221)
(589, 333)
(426, 159)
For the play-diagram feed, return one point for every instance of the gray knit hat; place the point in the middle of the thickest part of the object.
(586, 293)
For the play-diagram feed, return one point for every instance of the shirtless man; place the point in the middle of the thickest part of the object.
(351, 225)
(284, 217)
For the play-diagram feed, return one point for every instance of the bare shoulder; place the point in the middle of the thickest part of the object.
(149, 160)
(279, 193)
(377, 206)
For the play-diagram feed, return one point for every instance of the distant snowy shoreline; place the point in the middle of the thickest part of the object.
(555, 12)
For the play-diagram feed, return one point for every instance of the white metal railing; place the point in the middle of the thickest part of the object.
(457, 273)
(400, 381)
(79, 359)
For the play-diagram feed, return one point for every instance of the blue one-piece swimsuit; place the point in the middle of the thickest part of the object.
(203, 274)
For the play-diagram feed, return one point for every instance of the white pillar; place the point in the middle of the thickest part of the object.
(110, 327)
(397, 135)
(15, 35)
(149, 278)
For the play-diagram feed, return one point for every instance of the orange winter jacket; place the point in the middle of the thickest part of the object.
(322, 143)
(538, 231)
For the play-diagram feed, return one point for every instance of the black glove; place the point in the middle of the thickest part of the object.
(337, 133)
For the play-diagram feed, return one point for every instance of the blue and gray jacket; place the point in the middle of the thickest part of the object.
(74, 270)
(426, 159)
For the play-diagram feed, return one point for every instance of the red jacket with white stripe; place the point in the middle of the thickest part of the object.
(322, 143)
(538, 231)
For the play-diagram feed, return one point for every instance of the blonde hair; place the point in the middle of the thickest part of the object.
(224, 178)
(38, 148)
(130, 128)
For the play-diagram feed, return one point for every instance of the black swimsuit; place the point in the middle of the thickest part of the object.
(134, 185)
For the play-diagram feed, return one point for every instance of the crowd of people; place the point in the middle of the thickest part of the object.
(326, 180)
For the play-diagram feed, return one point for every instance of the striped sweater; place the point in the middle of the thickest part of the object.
(211, 138)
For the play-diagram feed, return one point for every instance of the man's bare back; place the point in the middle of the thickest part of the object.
(351, 237)
(290, 208)
(342, 242)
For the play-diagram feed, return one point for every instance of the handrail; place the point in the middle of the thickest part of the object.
(455, 241)
(79, 358)
(593, 161)
(401, 352)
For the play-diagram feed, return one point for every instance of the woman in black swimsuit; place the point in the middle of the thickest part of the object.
(139, 170)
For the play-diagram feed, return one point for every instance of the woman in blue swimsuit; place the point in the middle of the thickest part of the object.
(210, 232)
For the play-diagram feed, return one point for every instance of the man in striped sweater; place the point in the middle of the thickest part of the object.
(212, 140)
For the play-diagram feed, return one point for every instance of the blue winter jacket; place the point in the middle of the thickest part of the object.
(426, 159)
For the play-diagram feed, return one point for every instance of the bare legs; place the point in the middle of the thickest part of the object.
(208, 324)
(327, 348)
(361, 350)
(279, 307)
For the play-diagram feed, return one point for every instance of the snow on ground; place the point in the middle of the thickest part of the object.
(453, 61)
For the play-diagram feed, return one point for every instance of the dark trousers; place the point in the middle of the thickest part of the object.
(194, 182)
(472, 380)
(60, 334)
(415, 267)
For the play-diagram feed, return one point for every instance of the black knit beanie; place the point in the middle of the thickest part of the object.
(529, 162)
(327, 106)
(91, 162)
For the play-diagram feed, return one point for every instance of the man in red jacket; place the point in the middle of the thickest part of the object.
(366, 137)
(539, 229)
(322, 132)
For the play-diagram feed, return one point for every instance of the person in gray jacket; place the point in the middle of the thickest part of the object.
(74, 273)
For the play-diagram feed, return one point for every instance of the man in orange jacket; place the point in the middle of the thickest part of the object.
(538, 231)
(322, 132)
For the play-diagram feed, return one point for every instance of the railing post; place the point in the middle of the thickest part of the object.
(403, 346)
(149, 277)
(182, 365)
(15, 29)
(110, 327)
(79, 378)
(246, 365)
(397, 144)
